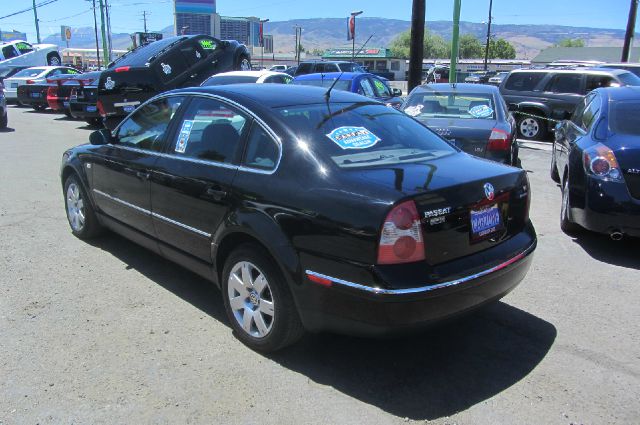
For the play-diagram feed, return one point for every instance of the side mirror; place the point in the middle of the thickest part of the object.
(396, 92)
(101, 137)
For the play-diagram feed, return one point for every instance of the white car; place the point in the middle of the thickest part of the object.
(279, 68)
(240, 77)
(21, 53)
(35, 75)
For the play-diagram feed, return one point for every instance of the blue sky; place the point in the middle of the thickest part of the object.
(127, 14)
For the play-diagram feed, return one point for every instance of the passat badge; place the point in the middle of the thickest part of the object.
(109, 84)
(489, 192)
(353, 137)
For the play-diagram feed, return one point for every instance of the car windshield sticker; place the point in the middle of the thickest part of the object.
(166, 68)
(109, 84)
(207, 44)
(414, 111)
(353, 137)
(183, 137)
(481, 111)
(379, 85)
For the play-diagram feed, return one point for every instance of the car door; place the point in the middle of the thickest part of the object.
(575, 129)
(121, 171)
(191, 183)
(563, 93)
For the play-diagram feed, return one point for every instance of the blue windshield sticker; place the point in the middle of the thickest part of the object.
(183, 137)
(481, 111)
(353, 137)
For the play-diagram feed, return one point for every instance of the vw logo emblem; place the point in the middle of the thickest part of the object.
(489, 192)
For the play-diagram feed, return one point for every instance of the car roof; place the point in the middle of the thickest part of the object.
(331, 75)
(276, 95)
(459, 87)
(256, 74)
(621, 93)
(580, 70)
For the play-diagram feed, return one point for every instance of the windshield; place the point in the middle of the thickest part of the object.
(426, 104)
(222, 80)
(30, 72)
(350, 67)
(363, 135)
(344, 85)
(623, 117)
(629, 79)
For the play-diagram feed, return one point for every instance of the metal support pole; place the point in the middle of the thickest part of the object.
(453, 71)
(486, 49)
(108, 16)
(95, 29)
(416, 52)
(105, 50)
(35, 14)
(631, 25)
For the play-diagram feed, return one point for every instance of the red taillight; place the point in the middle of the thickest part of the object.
(122, 68)
(499, 140)
(52, 92)
(401, 237)
(100, 109)
(31, 82)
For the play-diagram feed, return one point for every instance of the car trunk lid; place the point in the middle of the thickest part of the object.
(470, 135)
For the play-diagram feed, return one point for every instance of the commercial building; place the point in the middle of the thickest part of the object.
(196, 17)
(244, 30)
(12, 36)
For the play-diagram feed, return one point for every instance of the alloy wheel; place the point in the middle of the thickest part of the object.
(529, 127)
(75, 207)
(251, 299)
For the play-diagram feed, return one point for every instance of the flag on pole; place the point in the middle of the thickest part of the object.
(351, 28)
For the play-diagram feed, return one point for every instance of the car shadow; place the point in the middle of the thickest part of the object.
(429, 375)
(623, 253)
(192, 288)
(7, 130)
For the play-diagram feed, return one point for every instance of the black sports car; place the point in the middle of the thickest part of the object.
(309, 212)
(596, 159)
(167, 64)
(83, 102)
(473, 117)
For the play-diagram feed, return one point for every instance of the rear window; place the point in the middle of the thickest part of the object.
(222, 80)
(343, 85)
(141, 55)
(423, 104)
(30, 72)
(362, 135)
(623, 117)
(524, 81)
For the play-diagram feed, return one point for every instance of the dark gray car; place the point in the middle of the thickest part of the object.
(538, 95)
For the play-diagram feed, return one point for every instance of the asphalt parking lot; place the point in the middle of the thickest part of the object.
(108, 333)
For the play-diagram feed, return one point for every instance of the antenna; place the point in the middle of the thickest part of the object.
(327, 95)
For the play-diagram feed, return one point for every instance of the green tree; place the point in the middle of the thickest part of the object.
(501, 49)
(570, 42)
(434, 46)
(470, 47)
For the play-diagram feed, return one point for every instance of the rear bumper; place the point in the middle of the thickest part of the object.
(348, 306)
(79, 110)
(608, 206)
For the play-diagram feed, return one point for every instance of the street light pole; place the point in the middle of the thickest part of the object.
(486, 49)
(262, 22)
(416, 52)
(353, 34)
(35, 14)
(453, 71)
(631, 25)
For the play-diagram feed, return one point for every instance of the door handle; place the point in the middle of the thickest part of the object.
(143, 175)
(216, 193)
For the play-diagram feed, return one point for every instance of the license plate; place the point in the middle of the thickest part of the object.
(14, 85)
(65, 104)
(92, 108)
(35, 94)
(485, 221)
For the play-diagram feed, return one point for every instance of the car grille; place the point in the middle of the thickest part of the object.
(633, 184)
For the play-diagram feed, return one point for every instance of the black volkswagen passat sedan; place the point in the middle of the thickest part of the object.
(310, 211)
(596, 159)
(473, 117)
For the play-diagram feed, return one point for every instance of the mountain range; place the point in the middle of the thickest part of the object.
(322, 33)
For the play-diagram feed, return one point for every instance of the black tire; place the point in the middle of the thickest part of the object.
(566, 223)
(94, 122)
(553, 172)
(39, 108)
(68, 114)
(531, 128)
(285, 325)
(53, 59)
(90, 228)
(243, 63)
(4, 120)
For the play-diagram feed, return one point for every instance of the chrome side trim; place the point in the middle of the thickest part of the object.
(120, 201)
(181, 158)
(152, 214)
(184, 226)
(424, 289)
